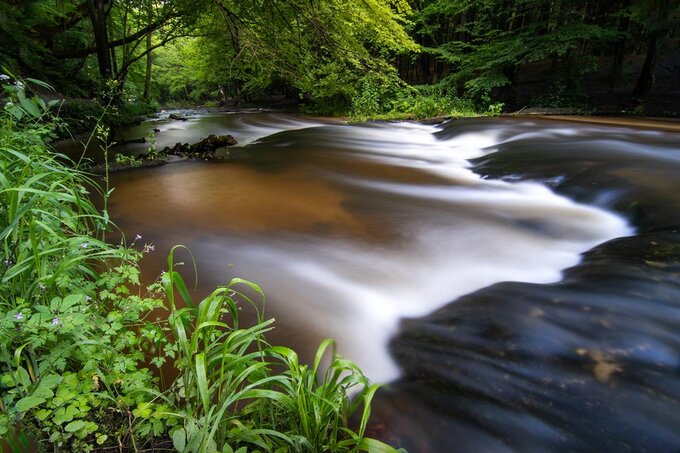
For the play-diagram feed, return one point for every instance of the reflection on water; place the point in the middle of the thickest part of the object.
(437, 257)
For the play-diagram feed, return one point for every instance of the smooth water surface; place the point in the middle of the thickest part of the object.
(348, 229)
(359, 232)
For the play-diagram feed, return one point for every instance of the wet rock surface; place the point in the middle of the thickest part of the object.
(177, 117)
(209, 148)
(591, 363)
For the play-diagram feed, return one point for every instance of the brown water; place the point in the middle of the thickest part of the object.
(350, 230)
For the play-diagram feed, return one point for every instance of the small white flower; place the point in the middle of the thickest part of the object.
(19, 316)
(4, 77)
(55, 322)
(84, 245)
(138, 237)
(19, 85)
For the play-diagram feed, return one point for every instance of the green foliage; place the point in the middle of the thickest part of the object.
(40, 198)
(77, 338)
(230, 395)
(69, 355)
(81, 115)
(319, 50)
(482, 45)
(317, 405)
(411, 102)
(127, 161)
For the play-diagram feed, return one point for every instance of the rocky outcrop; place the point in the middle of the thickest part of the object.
(174, 116)
(209, 148)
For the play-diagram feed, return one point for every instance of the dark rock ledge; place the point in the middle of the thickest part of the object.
(214, 147)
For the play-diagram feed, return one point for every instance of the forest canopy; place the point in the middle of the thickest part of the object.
(368, 55)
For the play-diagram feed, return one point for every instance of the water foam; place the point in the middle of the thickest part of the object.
(477, 232)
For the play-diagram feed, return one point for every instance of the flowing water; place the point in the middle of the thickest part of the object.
(394, 239)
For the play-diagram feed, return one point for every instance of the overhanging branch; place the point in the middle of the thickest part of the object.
(81, 53)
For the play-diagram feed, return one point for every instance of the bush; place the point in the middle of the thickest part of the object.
(81, 115)
(70, 360)
(77, 341)
(409, 102)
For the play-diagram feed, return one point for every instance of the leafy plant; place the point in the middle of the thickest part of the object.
(236, 391)
(70, 359)
(123, 159)
(77, 341)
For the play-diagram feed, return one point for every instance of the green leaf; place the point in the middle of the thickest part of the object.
(28, 403)
(16, 112)
(74, 426)
(30, 107)
(71, 300)
(40, 83)
(202, 381)
(179, 439)
(375, 446)
(43, 392)
(50, 381)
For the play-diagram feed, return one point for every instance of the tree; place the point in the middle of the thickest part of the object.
(319, 49)
(657, 17)
(484, 43)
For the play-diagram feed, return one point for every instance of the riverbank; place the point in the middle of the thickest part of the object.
(663, 124)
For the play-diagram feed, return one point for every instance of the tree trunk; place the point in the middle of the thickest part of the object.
(619, 55)
(647, 77)
(147, 80)
(97, 13)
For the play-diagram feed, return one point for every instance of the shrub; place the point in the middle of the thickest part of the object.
(77, 339)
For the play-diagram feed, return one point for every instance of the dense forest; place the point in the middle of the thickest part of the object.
(336, 56)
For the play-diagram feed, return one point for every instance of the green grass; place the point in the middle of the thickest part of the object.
(79, 344)
(239, 391)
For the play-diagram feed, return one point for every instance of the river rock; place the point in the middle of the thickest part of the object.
(585, 364)
(174, 116)
(205, 149)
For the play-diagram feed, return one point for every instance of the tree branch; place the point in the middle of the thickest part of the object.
(123, 72)
(75, 16)
(80, 53)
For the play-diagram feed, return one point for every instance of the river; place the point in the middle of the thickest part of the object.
(515, 283)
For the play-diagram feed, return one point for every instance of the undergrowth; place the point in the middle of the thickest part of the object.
(82, 343)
